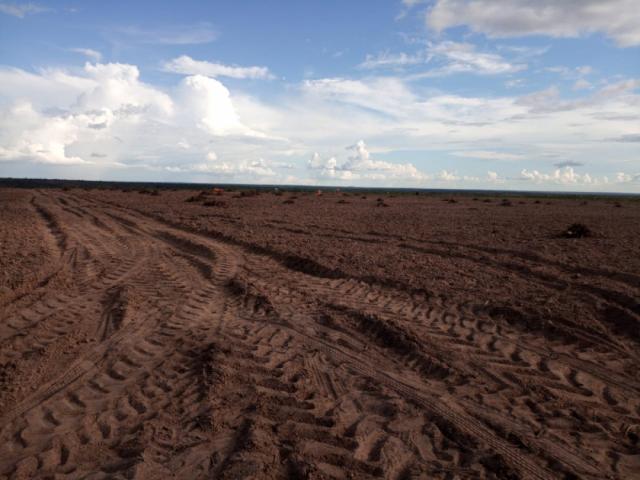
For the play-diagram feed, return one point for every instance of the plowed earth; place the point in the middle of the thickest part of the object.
(148, 337)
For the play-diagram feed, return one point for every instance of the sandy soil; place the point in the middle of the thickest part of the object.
(147, 336)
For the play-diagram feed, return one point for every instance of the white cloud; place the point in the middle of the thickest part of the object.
(49, 88)
(622, 177)
(513, 83)
(363, 93)
(464, 58)
(524, 52)
(548, 100)
(187, 66)
(582, 84)
(104, 115)
(584, 70)
(393, 60)
(21, 10)
(412, 3)
(561, 176)
(575, 73)
(450, 58)
(407, 119)
(89, 53)
(360, 165)
(26, 134)
(207, 103)
(118, 88)
(109, 110)
(329, 168)
(446, 176)
(241, 169)
(571, 72)
(488, 155)
(619, 19)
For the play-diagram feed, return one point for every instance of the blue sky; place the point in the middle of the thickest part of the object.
(533, 95)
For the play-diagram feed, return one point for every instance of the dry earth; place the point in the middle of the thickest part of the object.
(146, 336)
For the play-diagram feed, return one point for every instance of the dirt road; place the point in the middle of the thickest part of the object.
(140, 349)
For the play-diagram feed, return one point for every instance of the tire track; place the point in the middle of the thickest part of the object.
(207, 358)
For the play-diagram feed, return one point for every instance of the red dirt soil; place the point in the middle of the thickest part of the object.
(297, 336)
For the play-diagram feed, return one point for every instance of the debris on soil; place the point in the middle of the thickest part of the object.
(249, 193)
(214, 203)
(632, 432)
(577, 230)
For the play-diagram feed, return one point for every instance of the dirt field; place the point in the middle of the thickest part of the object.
(295, 336)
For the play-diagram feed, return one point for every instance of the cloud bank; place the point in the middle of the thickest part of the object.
(618, 19)
(105, 118)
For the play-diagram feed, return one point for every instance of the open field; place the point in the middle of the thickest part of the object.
(174, 334)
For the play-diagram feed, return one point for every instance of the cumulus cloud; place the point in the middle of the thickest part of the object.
(360, 165)
(561, 176)
(21, 10)
(67, 117)
(254, 169)
(567, 177)
(618, 19)
(446, 176)
(47, 89)
(622, 177)
(108, 109)
(119, 89)
(27, 134)
(408, 119)
(187, 66)
(207, 103)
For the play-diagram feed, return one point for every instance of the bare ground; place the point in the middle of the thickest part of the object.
(149, 337)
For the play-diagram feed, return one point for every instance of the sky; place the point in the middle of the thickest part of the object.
(477, 94)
